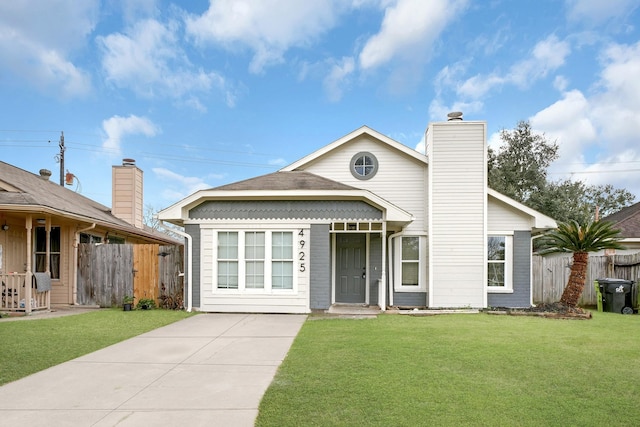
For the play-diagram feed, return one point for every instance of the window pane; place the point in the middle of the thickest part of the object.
(282, 275)
(410, 248)
(496, 274)
(410, 273)
(227, 275)
(254, 245)
(282, 245)
(496, 248)
(54, 251)
(254, 277)
(227, 245)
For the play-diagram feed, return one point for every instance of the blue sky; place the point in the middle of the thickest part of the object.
(223, 90)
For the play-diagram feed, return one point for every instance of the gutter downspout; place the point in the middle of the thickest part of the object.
(75, 261)
(531, 269)
(188, 264)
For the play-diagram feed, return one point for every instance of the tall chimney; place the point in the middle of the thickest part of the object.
(126, 193)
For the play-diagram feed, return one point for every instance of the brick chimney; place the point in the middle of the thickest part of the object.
(126, 193)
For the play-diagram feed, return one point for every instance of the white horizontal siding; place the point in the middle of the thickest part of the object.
(457, 230)
(400, 179)
(502, 217)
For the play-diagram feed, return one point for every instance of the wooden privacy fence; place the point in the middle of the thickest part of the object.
(106, 273)
(550, 274)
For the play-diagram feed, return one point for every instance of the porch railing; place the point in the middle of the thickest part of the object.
(16, 296)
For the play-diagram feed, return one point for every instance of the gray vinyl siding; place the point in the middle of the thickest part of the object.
(194, 231)
(320, 267)
(285, 209)
(521, 296)
(410, 299)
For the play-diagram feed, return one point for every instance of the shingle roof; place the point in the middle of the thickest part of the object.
(627, 220)
(35, 191)
(281, 181)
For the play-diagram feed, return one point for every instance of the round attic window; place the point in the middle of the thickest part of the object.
(364, 165)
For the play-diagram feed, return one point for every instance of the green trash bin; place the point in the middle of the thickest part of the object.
(616, 295)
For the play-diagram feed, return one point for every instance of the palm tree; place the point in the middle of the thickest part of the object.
(580, 239)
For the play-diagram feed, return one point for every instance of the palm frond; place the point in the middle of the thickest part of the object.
(574, 237)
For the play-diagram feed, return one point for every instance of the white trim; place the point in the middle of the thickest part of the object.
(268, 259)
(396, 263)
(367, 285)
(508, 266)
(334, 249)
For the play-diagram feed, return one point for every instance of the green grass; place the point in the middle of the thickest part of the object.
(30, 346)
(457, 370)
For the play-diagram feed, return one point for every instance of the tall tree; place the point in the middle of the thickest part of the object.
(579, 239)
(518, 169)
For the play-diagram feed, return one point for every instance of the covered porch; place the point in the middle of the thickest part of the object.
(27, 251)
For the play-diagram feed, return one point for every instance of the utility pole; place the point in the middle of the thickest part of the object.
(61, 145)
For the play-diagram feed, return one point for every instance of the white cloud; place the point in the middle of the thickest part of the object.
(409, 27)
(597, 134)
(178, 186)
(35, 46)
(148, 59)
(116, 128)
(268, 27)
(595, 12)
(338, 77)
(546, 56)
(277, 162)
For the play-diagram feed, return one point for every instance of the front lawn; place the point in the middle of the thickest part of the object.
(29, 346)
(459, 369)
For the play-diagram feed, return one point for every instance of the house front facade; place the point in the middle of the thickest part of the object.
(364, 220)
(42, 223)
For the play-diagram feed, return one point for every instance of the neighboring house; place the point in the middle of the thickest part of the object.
(364, 220)
(41, 224)
(627, 220)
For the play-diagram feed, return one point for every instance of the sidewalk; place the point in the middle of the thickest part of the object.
(207, 370)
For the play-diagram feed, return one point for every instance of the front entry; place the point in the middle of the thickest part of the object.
(350, 268)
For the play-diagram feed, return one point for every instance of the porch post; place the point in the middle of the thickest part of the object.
(28, 275)
(382, 287)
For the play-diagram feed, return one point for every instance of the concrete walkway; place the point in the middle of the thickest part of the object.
(207, 370)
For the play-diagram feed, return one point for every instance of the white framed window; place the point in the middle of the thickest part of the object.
(228, 260)
(409, 264)
(282, 260)
(254, 254)
(254, 261)
(499, 263)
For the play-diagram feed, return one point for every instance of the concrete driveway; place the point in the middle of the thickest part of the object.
(207, 370)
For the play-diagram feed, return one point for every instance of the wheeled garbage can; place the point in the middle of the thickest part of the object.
(616, 295)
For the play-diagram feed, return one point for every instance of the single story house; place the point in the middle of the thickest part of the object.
(41, 224)
(364, 220)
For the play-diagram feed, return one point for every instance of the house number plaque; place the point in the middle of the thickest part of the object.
(302, 251)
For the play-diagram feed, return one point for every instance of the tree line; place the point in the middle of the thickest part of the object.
(518, 169)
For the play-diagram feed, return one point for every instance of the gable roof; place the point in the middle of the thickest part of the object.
(288, 185)
(364, 130)
(23, 191)
(541, 221)
(289, 180)
(627, 220)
